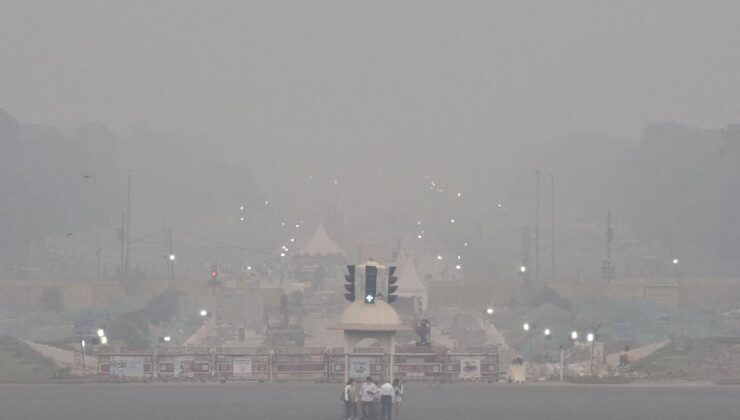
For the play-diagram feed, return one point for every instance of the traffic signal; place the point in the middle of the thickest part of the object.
(392, 280)
(350, 286)
(371, 283)
(214, 272)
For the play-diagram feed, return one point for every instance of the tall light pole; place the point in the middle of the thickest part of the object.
(82, 350)
(537, 235)
(96, 220)
(552, 227)
(591, 338)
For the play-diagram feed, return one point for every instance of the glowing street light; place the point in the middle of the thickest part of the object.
(452, 220)
(457, 267)
(104, 340)
(574, 335)
(439, 257)
(172, 257)
(83, 344)
(101, 332)
(203, 313)
(675, 261)
(249, 268)
(590, 337)
(167, 338)
(489, 311)
(523, 269)
(547, 333)
(526, 326)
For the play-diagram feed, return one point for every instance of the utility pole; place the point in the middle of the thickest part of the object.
(537, 235)
(127, 231)
(562, 362)
(122, 238)
(552, 226)
(525, 269)
(608, 234)
(97, 229)
(167, 248)
(170, 260)
(607, 272)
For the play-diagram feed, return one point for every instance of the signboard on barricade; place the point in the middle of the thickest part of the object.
(335, 359)
(242, 367)
(243, 363)
(469, 368)
(359, 367)
(121, 363)
(127, 366)
(474, 364)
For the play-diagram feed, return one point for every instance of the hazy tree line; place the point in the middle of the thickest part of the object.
(58, 188)
(673, 192)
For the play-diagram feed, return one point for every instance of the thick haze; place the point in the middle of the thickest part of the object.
(299, 70)
(212, 105)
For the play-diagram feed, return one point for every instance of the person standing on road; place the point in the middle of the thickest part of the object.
(397, 394)
(367, 397)
(386, 401)
(349, 397)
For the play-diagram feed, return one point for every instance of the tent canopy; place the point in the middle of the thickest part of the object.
(408, 279)
(321, 244)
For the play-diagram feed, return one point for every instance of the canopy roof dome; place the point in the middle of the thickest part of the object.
(378, 316)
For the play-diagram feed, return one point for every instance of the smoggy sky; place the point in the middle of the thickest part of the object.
(307, 71)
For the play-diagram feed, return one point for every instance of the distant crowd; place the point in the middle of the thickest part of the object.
(372, 400)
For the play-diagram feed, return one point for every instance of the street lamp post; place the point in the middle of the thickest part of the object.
(528, 328)
(82, 347)
(204, 314)
(591, 338)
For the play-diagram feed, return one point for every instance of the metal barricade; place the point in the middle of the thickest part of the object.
(419, 367)
(299, 364)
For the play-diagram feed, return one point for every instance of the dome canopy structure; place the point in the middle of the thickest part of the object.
(378, 316)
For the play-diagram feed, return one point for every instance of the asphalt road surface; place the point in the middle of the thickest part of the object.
(318, 402)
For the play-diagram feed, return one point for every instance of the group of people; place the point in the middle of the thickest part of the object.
(372, 400)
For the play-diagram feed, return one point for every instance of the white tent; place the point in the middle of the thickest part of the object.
(409, 283)
(321, 244)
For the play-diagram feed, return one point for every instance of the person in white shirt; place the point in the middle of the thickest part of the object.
(386, 401)
(349, 398)
(367, 396)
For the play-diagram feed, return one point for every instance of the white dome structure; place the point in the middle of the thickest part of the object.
(378, 316)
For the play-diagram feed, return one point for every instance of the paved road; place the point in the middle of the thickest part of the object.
(318, 402)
